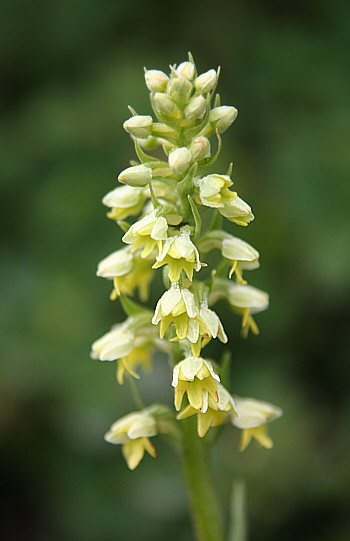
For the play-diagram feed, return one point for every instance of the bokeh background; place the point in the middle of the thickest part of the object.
(69, 70)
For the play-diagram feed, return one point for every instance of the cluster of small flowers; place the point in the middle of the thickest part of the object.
(178, 206)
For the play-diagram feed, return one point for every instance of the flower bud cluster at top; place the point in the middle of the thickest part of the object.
(178, 206)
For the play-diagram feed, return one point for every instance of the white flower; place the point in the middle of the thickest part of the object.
(163, 103)
(200, 148)
(179, 253)
(179, 88)
(115, 344)
(130, 343)
(242, 297)
(196, 377)
(150, 231)
(240, 255)
(252, 419)
(128, 271)
(210, 326)
(213, 191)
(132, 432)
(237, 211)
(218, 412)
(124, 201)
(237, 252)
(178, 306)
(116, 264)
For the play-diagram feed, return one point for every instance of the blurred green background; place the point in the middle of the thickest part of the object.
(69, 70)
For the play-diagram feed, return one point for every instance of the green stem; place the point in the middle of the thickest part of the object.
(206, 513)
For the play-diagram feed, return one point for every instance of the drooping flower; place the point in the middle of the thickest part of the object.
(196, 377)
(247, 300)
(124, 201)
(210, 326)
(150, 231)
(216, 414)
(130, 343)
(133, 432)
(243, 299)
(178, 306)
(179, 253)
(213, 191)
(237, 211)
(253, 418)
(238, 253)
(128, 272)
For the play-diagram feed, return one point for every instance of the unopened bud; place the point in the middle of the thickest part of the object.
(195, 109)
(156, 80)
(222, 117)
(139, 126)
(163, 103)
(205, 82)
(179, 89)
(180, 159)
(186, 69)
(136, 176)
(200, 148)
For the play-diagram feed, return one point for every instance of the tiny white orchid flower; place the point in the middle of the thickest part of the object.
(213, 191)
(217, 413)
(130, 343)
(128, 271)
(133, 432)
(196, 377)
(179, 253)
(237, 211)
(210, 326)
(240, 255)
(178, 306)
(150, 231)
(253, 415)
(124, 201)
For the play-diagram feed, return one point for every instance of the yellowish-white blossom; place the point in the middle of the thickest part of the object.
(178, 306)
(196, 377)
(237, 211)
(124, 201)
(150, 231)
(179, 253)
(217, 413)
(253, 416)
(133, 432)
(213, 191)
